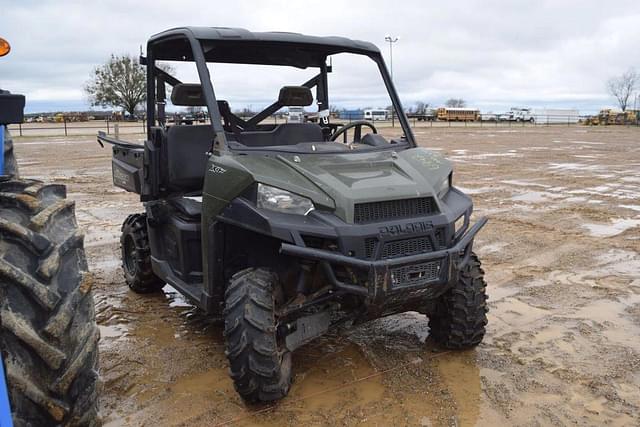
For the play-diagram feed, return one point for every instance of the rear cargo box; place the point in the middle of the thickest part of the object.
(127, 167)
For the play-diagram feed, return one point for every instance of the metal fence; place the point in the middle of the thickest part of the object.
(66, 128)
(91, 127)
(538, 120)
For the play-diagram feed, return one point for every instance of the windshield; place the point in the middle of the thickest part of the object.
(265, 106)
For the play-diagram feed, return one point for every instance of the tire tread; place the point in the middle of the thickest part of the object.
(46, 314)
(256, 364)
(460, 319)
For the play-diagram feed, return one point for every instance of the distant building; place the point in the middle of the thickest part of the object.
(351, 115)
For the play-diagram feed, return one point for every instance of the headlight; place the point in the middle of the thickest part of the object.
(444, 186)
(276, 199)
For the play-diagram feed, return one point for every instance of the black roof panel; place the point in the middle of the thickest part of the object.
(237, 45)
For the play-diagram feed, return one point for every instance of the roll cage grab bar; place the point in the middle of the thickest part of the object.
(156, 93)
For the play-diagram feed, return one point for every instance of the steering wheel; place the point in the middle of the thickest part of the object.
(357, 133)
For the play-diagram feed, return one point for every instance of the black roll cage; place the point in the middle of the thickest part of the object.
(156, 77)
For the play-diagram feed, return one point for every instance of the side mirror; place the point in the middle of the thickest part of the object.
(295, 96)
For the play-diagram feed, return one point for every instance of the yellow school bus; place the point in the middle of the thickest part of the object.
(458, 114)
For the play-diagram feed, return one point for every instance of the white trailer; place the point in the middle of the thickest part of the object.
(556, 116)
(375, 115)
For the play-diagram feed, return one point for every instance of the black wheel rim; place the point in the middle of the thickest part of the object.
(129, 255)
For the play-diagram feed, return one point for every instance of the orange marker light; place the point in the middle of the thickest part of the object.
(5, 47)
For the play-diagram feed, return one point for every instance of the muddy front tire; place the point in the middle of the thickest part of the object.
(136, 256)
(460, 316)
(10, 163)
(260, 366)
(48, 334)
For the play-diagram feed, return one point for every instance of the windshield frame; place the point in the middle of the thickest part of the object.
(197, 55)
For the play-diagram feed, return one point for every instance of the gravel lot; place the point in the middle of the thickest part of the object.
(562, 258)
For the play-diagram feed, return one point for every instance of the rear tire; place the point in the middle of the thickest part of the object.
(461, 313)
(10, 163)
(48, 333)
(260, 366)
(136, 256)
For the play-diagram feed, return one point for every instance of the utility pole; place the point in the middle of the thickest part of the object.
(391, 40)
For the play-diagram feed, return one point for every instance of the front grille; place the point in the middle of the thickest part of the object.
(399, 248)
(405, 247)
(393, 209)
(415, 275)
(370, 247)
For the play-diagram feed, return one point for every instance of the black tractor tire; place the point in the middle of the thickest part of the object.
(259, 365)
(10, 163)
(48, 333)
(136, 256)
(460, 317)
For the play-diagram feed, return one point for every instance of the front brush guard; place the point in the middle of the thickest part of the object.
(457, 258)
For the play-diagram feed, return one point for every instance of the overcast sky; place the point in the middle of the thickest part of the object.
(494, 54)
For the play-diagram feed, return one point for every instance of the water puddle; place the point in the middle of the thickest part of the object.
(175, 298)
(617, 226)
(477, 190)
(522, 183)
(630, 179)
(495, 247)
(514, 312)
(619, 262)
(587, 142)
(113, 331)
(574, 167)
(484, 156)
(632, 207)
(536, 197)
(576, 199)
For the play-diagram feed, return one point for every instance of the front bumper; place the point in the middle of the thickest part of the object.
(397, 275)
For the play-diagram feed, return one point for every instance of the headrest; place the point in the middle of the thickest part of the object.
(295, 96)
(188, 95)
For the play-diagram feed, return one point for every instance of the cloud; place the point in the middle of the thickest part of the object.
(493, 53)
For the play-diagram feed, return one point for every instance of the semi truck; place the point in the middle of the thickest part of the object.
(518, 115)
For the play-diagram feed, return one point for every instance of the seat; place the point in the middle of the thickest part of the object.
(186, 156)
(188, 206)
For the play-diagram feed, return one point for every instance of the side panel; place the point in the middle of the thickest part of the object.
(175, 249)
(225, 179)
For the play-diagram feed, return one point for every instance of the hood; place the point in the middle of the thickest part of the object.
(338, 181)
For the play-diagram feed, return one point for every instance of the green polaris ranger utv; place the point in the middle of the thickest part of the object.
(288, 229)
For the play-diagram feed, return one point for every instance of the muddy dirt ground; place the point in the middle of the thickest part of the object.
(562, 259)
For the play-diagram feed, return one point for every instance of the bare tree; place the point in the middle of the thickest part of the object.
(623, 86)
(121, 82)
(455, 103)
(421, 107)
